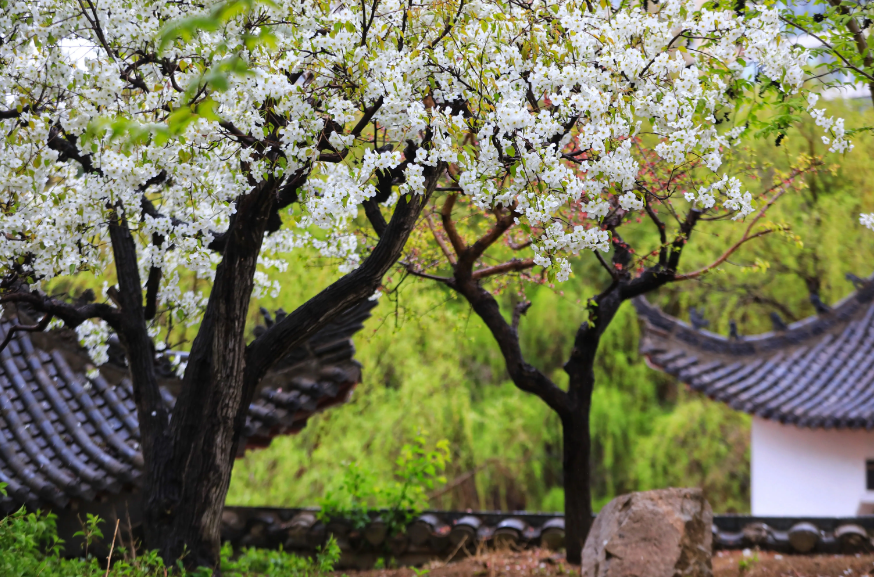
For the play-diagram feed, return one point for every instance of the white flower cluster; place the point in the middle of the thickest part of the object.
(835, 126)
(93, 336)
(533, 106)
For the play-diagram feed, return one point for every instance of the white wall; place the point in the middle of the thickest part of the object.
(809, 472)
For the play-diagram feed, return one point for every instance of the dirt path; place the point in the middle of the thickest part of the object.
(541, 563)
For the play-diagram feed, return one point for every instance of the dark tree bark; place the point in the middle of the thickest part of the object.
(576, 449)
(187, 484)
(576, 434)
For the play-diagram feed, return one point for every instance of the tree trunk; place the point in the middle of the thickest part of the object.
(186, 485)
(576, 459)
(580, 369)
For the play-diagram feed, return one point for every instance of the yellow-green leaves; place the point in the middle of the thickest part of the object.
(186, 29)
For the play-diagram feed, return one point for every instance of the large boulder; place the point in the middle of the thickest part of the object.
(664, 533)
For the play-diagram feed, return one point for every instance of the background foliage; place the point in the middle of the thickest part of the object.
(431, 368)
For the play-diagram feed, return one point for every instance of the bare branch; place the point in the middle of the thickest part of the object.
(610, 270)
(663, 237)
(411, 269)
(38, 327)
(743, 240)
(72, 315)
(518, 311)
(521, 245)
(439, 239)
(514, 265)
(722, 258)
(448, 26)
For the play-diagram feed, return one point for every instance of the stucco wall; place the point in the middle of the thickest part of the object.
(804, 472)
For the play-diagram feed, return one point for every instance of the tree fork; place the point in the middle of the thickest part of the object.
(186, 490)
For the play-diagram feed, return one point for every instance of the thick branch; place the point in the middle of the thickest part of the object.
(518, 311)
(7, 114)
(484, 242)
(72, 315)
(66, 146)
(132, 329)
(525, 376)
(374, 215)
(449, 226)
(349, 290)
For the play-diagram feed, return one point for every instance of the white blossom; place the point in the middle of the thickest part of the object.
(600, 77)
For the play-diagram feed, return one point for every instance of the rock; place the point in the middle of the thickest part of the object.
(662, 533)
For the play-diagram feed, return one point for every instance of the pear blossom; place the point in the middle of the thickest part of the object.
(533, 107)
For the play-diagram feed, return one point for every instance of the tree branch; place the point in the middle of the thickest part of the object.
(743, 240)
(348, 291)
(448, 26)
(518, 311)
(525, 376)
(7, 114)
(72, 315)
(417, 273)
(502, 224)
(610, 270)
(514, 265)
(449, 226)
(440, 242)
(38, 327)
(722, 258)
(663, 237)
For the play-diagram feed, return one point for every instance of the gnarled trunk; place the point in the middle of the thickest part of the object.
(186, 484)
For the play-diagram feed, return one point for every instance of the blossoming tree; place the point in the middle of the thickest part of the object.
(143, 138)
(478, 254)
(616, 123)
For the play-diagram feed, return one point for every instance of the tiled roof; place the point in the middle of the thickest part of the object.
(451, 534)
(817, 372)
(66, 436)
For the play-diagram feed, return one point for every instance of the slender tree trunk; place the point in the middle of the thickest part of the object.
(576, 457)
(577, 449)
(577, 483)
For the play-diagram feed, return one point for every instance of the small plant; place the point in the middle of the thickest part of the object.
(418, 469)
(90, 530)
(29, 547)
(269, 563)
(747, 562)
(420, 572)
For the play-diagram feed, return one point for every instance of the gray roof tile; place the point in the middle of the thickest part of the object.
(818, 372)
(66, 436)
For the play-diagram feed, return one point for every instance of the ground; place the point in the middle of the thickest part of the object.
(542, 563)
